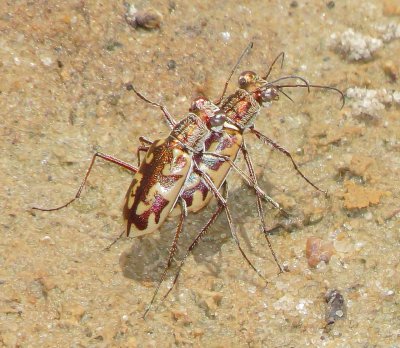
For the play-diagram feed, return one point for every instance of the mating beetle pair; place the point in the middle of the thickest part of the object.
(190, 166)
(238, 112)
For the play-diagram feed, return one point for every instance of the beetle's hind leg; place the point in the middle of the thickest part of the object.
(260, 209)
(206, 179)
(197, 240)
(172, 252)
(103, 156)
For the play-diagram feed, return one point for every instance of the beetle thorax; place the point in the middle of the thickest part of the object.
(241, 108)
(191, 132)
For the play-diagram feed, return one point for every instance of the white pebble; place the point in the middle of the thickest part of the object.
(47, 61)
(355, 45)
(226, 36)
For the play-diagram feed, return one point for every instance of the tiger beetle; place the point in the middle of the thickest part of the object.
(238, 111)
(160, 179)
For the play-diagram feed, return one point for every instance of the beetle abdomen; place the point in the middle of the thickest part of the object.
(196, 193)
(155, 188)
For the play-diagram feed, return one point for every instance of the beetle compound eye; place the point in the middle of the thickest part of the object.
(197, 104)
(242, 81)
(246, 78)
(269, 95)
(218, 120)
(266, 95)
(194, 107)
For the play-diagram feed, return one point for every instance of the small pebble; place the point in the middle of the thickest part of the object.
(391, 70)
(47, 240)
(197, 332)
(171, 64)
(330, 4)
(47, 61)
(147, 19)
(226, 36)
(317, 250)
(182, 316)
(72, 311)
(336, 307)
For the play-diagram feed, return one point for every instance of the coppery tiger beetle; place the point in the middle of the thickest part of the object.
(159, 181)
(239, 112)
(191, 164)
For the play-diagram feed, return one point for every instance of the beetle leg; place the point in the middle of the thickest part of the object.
(172, 251)
(144, 147)
(198, 238)
(144, 140)
(78, 194)
(253, 178)
(260, 209)
(170, 120)
(248, 179)
(278, 147)
(206, 179)
(114, 241)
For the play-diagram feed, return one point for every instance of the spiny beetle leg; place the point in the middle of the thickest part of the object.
(270, 142)
(107, 248)
(198, 238)
(172, 252)
(206, 179)
(248, 180)
(102, 156)
(170, 120)
(260, 209)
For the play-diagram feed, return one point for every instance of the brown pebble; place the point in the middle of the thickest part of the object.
(336, 306)
(330, 5)
(391, 70)
(317, 250)
(147, 19)
(197, 332)
(181, 316)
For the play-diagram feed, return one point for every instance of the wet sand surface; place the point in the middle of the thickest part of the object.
(63, 69)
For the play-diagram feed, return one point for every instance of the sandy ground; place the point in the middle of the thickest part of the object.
(63, 66)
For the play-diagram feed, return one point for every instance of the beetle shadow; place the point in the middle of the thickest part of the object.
(145, 260)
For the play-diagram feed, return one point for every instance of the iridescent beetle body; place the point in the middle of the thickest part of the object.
(192, 163)
(146, 204)
(240, 109)
(196, 194)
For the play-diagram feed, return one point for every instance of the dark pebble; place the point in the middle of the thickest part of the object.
(336, 306)
(171, 64)
(147, 19)
(330, 4)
